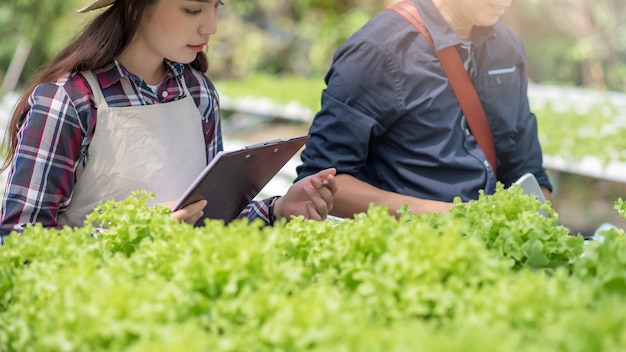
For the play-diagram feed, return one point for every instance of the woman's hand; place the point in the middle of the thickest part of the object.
(311, 197)
(189, 214)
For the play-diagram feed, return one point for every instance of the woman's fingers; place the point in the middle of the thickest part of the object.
(191, 213)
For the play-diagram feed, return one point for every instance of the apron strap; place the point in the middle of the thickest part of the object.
(98, 97)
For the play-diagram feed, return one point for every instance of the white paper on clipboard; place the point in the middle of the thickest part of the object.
(233, 178)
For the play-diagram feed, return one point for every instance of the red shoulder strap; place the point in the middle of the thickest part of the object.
(459, 81)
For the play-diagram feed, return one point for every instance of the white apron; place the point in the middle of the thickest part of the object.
(159, 148)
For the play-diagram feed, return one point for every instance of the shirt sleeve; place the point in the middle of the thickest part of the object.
(363, 97)
(258, 210)
(42, 176)
(207, 100)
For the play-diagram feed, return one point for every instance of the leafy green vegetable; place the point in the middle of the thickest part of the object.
(493, 274)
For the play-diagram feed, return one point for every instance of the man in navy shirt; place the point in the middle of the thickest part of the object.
(392, 127)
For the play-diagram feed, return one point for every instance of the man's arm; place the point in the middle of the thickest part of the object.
(354, 196)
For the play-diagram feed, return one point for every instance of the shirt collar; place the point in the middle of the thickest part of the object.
(442, 33)
(115, 71)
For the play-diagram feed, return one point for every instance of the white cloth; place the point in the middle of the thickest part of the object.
(159, 148)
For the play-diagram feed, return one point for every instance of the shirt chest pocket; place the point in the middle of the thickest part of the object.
(500, 77)
(500, 92)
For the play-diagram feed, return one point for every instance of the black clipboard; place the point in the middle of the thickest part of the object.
(233, 178)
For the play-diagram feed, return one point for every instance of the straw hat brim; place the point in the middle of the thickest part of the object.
(95, 5)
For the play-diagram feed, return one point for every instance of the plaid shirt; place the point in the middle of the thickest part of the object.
(57, 125)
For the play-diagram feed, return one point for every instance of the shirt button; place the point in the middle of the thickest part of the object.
(164, 94)
(486, 162)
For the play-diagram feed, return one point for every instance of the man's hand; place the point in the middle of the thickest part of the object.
(311, 197)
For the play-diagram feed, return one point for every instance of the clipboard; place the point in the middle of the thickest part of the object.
(233, 178)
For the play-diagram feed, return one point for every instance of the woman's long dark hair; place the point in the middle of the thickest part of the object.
(100, 42)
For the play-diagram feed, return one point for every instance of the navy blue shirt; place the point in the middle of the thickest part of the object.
(390, 118)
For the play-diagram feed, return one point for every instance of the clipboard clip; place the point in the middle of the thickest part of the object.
(251, 146)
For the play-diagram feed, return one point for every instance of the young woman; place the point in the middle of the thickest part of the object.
(127, 106)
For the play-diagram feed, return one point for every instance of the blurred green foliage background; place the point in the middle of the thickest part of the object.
(569, 42)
